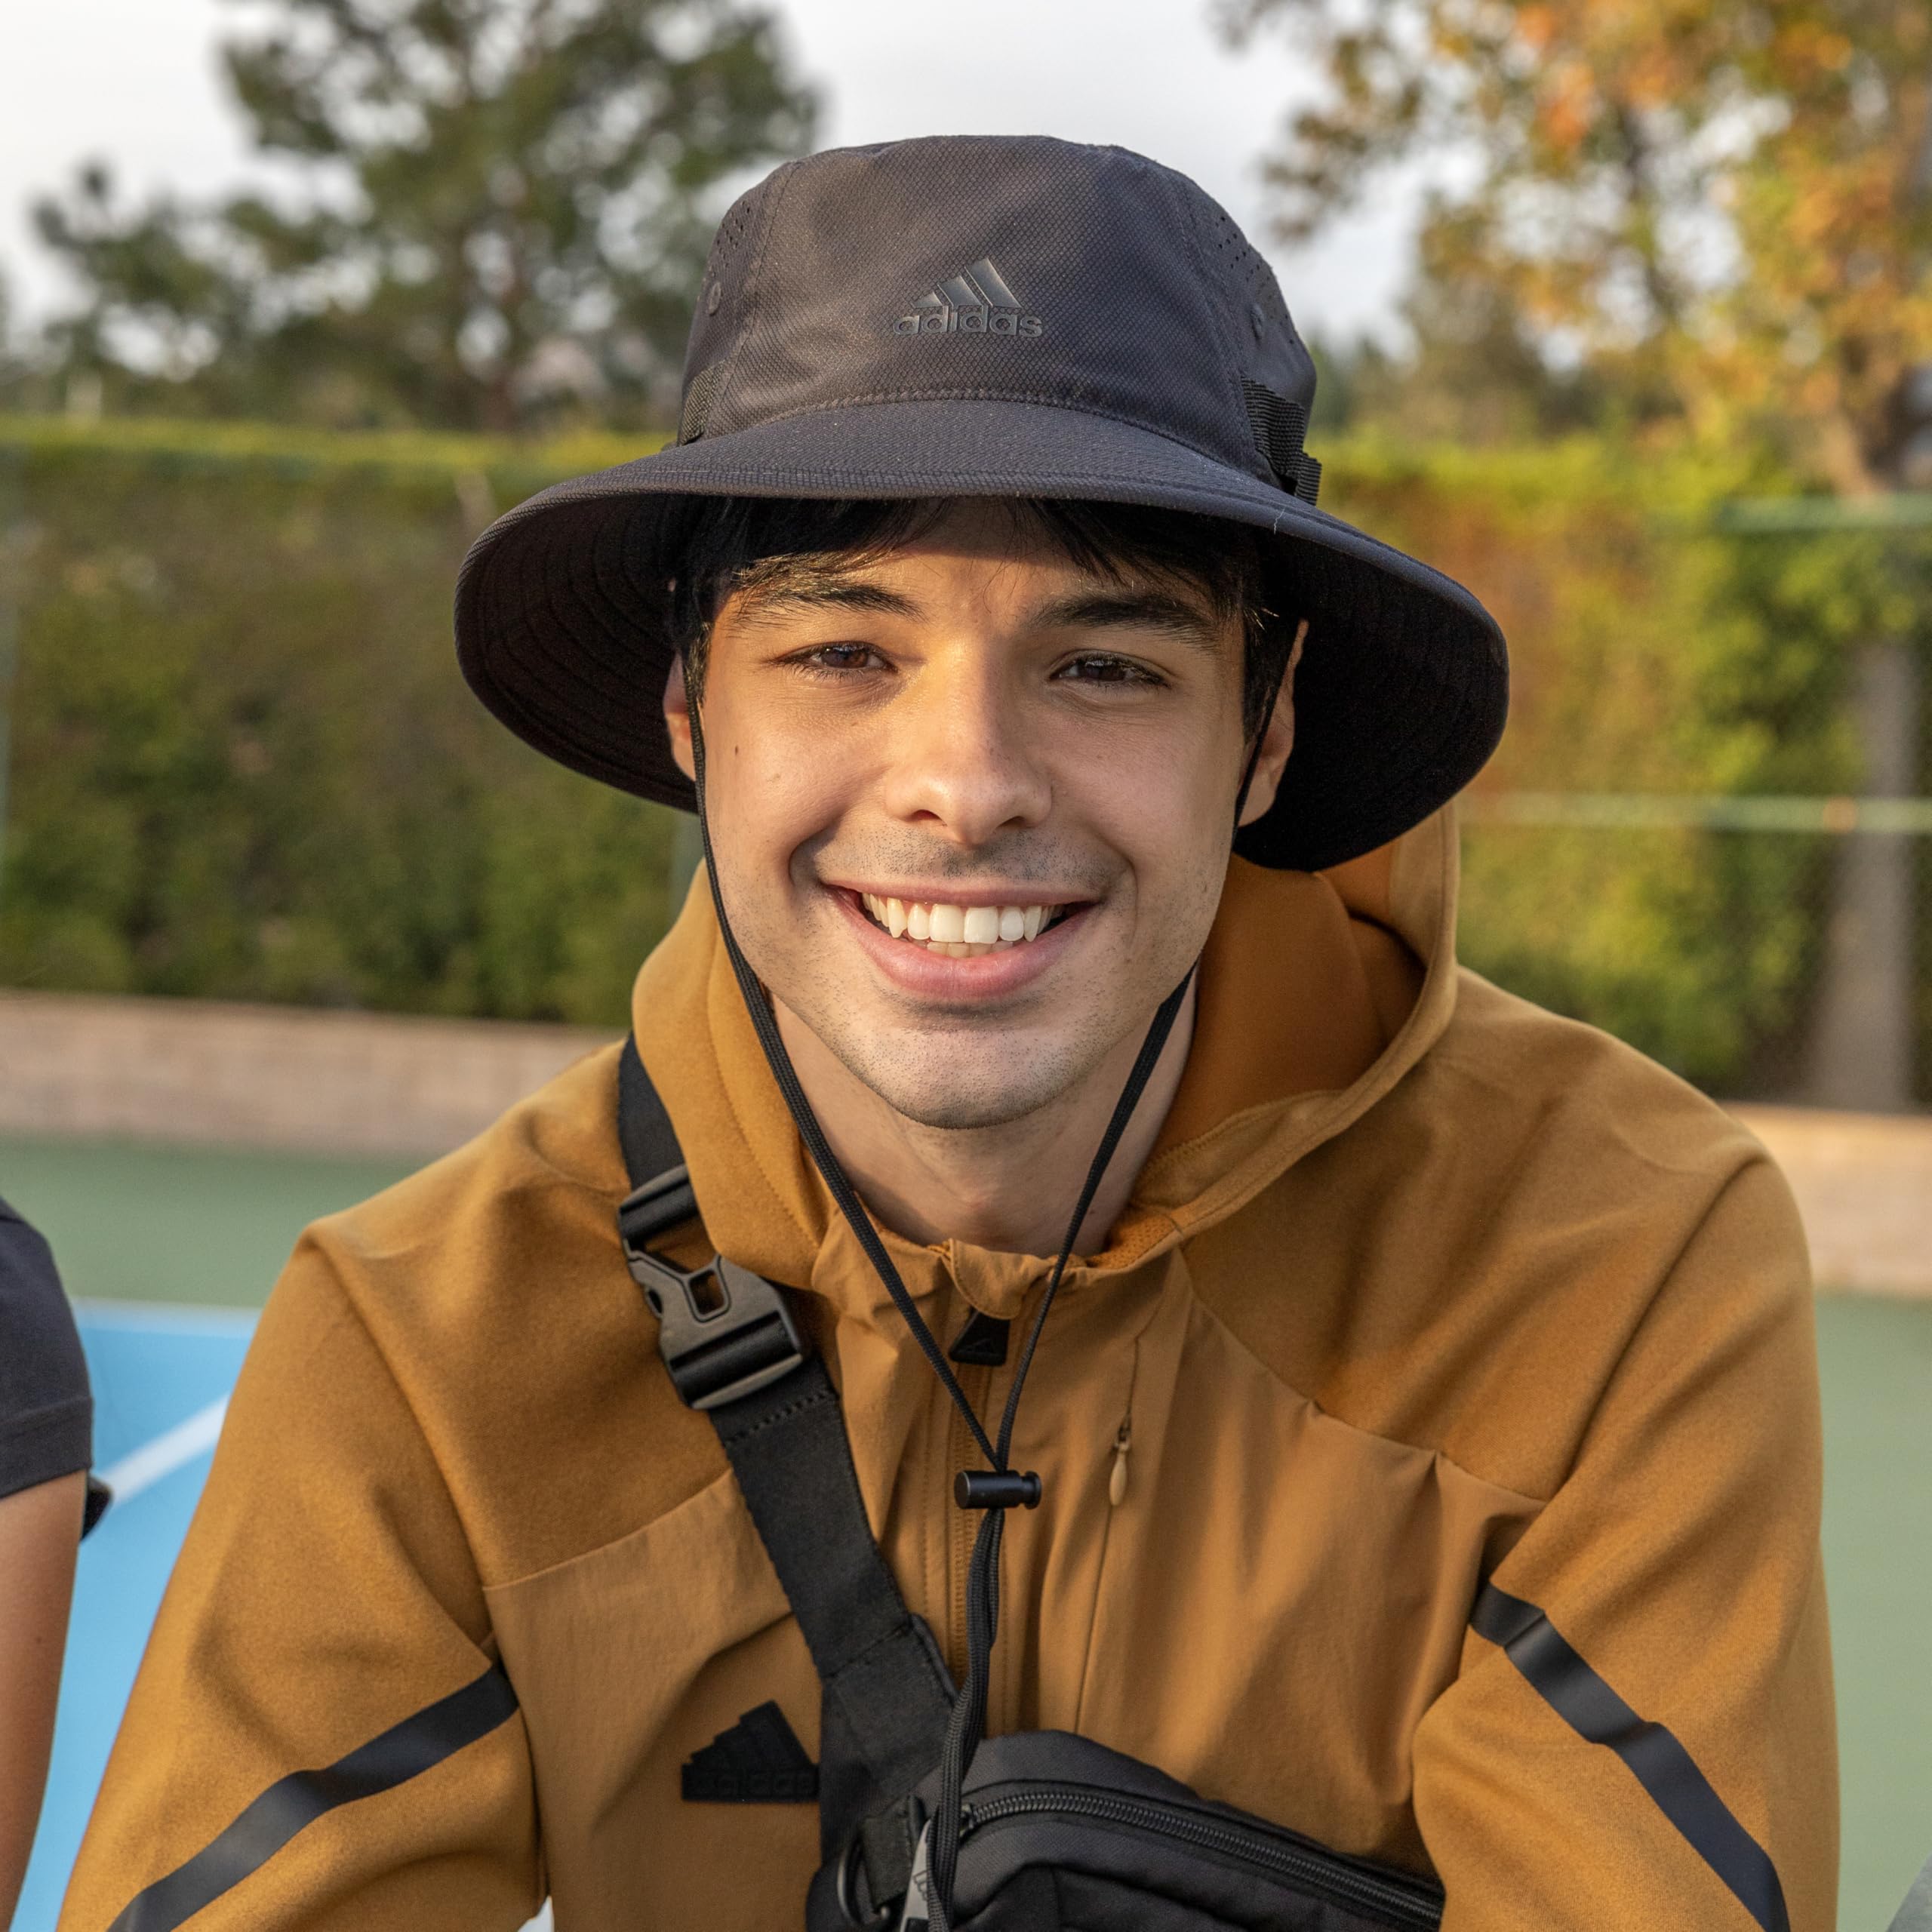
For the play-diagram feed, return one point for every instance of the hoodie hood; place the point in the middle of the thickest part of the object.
(1317, 991)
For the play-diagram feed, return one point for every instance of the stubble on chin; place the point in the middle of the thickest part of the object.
(964, 1077)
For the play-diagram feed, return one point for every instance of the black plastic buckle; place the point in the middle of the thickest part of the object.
(723, 1332)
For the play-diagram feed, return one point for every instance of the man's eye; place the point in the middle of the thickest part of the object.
(840, 658)
(1099, 669)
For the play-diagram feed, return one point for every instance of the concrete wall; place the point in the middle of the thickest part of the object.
(265, 1076)
(378, 1084)
(1864, 1186)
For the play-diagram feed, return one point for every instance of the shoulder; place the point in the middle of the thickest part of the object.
(1606, 1202)
(1567, 1100)
(442, 1248)
(490, 1288)
(46, 1414)
(1482, 1248)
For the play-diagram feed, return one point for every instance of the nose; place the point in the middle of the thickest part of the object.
(960, 764)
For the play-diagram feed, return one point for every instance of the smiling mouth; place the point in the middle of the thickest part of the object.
(960, 932)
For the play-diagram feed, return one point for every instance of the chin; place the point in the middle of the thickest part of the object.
(962, 1092)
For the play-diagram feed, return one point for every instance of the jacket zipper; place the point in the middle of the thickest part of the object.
(1344, 1884)
(1117, 1480)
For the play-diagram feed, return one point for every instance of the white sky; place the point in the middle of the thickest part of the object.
(134, 81)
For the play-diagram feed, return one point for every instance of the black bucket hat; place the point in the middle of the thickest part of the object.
(995, 317)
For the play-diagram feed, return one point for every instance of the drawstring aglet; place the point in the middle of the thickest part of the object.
(996, 1489)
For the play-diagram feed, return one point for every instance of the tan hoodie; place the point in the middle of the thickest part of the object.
(1422, 1288)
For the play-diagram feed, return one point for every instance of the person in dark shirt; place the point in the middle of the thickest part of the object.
(46, 1432)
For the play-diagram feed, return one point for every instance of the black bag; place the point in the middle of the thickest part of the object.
(1060, 1832)
(1057, 1832)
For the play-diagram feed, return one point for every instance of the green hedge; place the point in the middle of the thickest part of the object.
(1650, 653)
(245, 767)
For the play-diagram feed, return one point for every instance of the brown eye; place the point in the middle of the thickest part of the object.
(1100, 669)
(841, 657)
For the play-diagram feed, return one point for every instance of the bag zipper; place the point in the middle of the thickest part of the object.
(1343, 1882)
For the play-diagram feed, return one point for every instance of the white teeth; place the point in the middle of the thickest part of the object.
(959, 932)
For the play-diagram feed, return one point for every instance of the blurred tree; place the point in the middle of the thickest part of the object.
(17, 370)
(499, 210)
(1721, 210)
(1469, 373)
(1720, 207)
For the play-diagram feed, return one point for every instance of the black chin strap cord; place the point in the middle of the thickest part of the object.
(967, 1723)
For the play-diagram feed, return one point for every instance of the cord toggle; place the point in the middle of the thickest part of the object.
(996, 1489)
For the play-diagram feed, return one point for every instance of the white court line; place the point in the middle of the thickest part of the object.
(142, 1467)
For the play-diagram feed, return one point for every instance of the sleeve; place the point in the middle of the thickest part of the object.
(46, 1410)
(1642, 1732)
(320, 1735)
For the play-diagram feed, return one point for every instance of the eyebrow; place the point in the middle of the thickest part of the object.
(1098, 610)
(1132, 609)
(820, 590)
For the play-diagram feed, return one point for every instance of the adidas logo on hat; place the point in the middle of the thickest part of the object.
(976, 301)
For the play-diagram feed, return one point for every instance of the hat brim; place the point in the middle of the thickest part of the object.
(1399, 700)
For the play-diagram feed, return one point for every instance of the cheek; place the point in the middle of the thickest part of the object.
(1166, 802)
(770, 796)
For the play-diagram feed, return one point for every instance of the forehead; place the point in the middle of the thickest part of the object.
(980, 554)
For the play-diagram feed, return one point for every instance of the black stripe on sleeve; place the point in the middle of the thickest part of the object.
(1666, 1770)
(398, 1755)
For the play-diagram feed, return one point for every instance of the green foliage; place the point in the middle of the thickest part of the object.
(1650, 654)
(245, 766)
(505, 206)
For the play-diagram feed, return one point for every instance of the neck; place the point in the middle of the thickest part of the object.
(1010, 1187)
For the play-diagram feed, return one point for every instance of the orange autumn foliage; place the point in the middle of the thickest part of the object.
(1728, 203)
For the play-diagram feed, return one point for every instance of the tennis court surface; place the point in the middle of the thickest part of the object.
(168, 1250)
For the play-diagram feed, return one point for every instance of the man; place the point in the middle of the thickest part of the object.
(1425, 1430)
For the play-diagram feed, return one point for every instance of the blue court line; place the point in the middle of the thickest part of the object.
(162, 1377)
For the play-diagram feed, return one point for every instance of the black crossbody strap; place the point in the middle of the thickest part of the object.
(887, 1697)
(643, 1128)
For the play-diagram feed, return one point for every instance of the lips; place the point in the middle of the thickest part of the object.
(952, 973)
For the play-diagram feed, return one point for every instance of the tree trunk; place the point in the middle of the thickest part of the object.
(13, 558)
(1862, 1032)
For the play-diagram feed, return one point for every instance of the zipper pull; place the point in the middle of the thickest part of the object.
(1117, 1482)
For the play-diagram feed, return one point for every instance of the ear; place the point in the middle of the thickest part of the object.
(1278, 739)
(677, 720)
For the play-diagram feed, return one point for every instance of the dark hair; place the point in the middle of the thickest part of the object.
(706, 547)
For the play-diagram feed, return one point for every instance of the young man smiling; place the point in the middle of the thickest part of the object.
(980, 774)
(1421, 1452)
